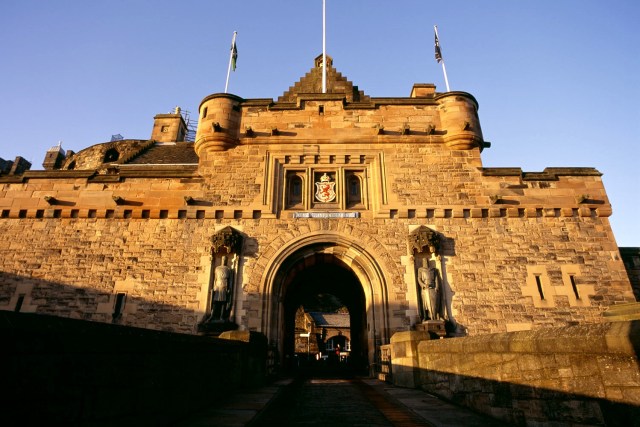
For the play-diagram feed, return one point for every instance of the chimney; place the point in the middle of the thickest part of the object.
(54, 157)
(169, 127)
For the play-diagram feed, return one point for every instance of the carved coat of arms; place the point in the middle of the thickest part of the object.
(325, 189)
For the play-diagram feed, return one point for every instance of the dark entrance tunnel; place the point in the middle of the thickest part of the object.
(311, 280)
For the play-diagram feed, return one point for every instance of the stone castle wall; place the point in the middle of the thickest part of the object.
(70, 372)
(578, 375)
(492, 252)
(520, 250)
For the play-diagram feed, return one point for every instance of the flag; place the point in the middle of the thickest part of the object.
(234, 55)
(438, 52)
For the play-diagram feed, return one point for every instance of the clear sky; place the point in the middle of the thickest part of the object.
(558, 81)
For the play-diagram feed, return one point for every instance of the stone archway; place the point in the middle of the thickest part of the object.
(335, 264)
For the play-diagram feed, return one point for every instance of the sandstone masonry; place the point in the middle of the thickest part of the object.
(122, 231)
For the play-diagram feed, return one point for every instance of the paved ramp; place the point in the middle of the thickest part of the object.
(336, 402)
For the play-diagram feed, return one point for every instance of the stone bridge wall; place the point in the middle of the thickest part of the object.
(585, 374)
(73, 372)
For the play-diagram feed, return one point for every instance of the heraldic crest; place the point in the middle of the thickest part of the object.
(325, 189)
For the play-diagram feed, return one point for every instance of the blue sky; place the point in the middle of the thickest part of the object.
(558, 81)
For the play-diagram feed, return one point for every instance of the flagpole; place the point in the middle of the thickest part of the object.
(233, 43)
(324, 47)
(444, 69)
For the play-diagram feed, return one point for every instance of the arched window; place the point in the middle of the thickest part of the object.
(354, 190)
(294, 191)
(111, 155)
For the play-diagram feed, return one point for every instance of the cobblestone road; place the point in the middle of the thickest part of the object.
(336, 402)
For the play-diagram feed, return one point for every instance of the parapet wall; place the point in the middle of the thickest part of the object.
(585, 374)
(72, 372)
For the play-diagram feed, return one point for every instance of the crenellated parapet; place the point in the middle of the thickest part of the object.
(342, 114)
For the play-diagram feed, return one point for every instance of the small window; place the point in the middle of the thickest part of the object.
(19, 303)
(354, 190)
(294, 190)
(111, 156)
(118, 307)
(204, 112)
(574, 286)
(539, 285)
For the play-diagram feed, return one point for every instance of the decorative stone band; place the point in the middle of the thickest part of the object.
(326, 215)
(196, 212)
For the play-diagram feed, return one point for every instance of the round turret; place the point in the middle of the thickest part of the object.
(459, 118)
(218, 123)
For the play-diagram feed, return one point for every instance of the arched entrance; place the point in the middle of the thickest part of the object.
(320, 264)
(321, 276)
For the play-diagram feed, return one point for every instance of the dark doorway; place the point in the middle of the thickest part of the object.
(319, 285)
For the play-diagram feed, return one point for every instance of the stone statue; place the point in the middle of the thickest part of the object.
(431, 291)
(221, 291)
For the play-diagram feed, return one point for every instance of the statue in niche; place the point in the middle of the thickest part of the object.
(431, 292)
(221, 301)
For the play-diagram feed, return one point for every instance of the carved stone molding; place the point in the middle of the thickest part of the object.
(227, 240)
(424, 240)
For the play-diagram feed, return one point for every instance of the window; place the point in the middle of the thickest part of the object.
(118, 306)
(111, 155)
(354, 189)
(574, 286)
(19, 303)
(539, 285)
(294, 190)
